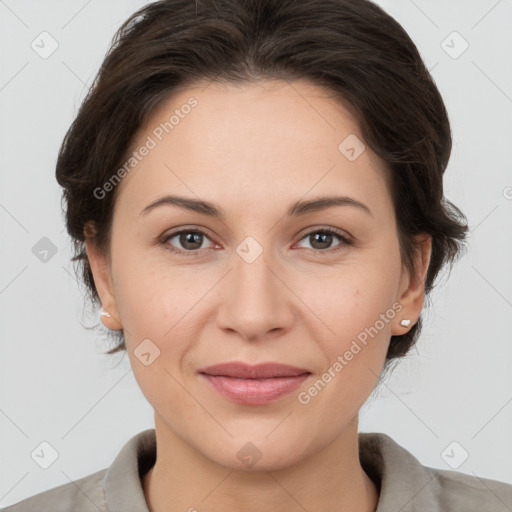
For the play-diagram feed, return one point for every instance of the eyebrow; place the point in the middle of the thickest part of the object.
(297, 209)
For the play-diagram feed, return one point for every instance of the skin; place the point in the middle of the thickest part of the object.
(253, 150)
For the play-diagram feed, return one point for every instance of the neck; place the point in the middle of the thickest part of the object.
(330, 479)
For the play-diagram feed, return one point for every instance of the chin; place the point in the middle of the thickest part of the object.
(255, 453)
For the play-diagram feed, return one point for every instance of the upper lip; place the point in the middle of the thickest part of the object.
(243, 370)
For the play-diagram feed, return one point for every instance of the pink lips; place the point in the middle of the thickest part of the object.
(254, 385)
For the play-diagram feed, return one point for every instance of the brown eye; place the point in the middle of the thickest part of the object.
(321, 240)
(187, 240)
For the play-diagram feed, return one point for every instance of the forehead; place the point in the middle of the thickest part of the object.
(252, 142)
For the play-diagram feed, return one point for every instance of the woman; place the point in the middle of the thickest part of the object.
(255, 194)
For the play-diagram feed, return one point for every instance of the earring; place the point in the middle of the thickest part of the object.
(405, 323)
(105, 313)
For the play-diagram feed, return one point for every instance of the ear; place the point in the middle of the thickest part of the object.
(412, 288)
(100, 268)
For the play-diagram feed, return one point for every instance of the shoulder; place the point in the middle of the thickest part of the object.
(454, 490)
(83, 495)
(113, 489)
(407, 485)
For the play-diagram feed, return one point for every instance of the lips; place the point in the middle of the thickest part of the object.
(253, 384)
(241, 370)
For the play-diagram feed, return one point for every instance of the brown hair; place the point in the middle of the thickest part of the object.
(352, 47)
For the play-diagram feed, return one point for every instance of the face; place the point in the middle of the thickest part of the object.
(319, 288)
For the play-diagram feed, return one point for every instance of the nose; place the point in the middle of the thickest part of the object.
(255, 300)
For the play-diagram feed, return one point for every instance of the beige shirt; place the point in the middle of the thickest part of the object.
(404, 484)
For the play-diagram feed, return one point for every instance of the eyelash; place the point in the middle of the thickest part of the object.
(345, 241)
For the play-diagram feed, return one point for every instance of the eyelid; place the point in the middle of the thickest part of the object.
(345, 238)
(330, 229)
(164, 239)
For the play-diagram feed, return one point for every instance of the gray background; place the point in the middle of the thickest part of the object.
(55, 384)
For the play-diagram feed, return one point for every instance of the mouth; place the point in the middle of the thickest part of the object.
(254, 384)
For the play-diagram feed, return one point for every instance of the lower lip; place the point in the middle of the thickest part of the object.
(254, 391)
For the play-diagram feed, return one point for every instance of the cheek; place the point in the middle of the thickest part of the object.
(157, 328)
(358, 306)
(354, 352)
(158, 304)
(150, 293)
(353, 299)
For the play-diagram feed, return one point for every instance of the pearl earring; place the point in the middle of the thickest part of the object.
(105, 313)
(405, 322)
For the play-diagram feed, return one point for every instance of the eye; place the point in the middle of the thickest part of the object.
(190, 240)
(321, 240)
